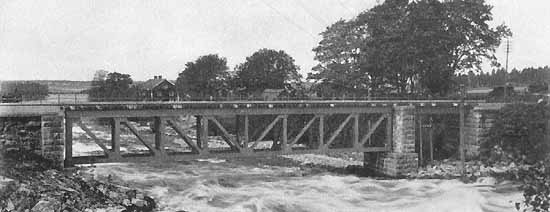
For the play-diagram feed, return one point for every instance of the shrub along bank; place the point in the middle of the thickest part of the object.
(520, 135)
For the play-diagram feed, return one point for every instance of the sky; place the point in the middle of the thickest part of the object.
(71, 39)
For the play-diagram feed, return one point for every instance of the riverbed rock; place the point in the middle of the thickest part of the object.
(45, 206)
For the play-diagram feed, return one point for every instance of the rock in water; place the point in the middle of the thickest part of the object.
(44, 206)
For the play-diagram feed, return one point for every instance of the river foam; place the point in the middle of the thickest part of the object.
(224, 186)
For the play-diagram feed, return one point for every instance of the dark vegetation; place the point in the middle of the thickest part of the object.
(520, 135)
(112, 87)
(406, 47)
(26, 90)
(207, 76)
(536, 78)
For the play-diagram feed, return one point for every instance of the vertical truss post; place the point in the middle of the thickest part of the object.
(356, 131)
(115, 136)
(68, 142)
(462, 135)
(431, 139)
(284, 144)
(245, 134)
(238, 133)
(369, 125)
(321, 131)
(198, 130)
(389, 130)
(204, 133)
(421, 141)
(159, 134)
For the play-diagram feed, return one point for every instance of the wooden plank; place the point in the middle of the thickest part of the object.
(194, 147)
(159, 133)
(301, 133)
(115, 137)
(369, 125)
(338, 130)
(266, 131)
(284, 144)
(431, 139)
(421, 140)
(226, 111)
(461, 138)
(321, 131)
(238, 129)
(198, 130)
(225, 135)
(204, 134)
(141, 139)
(356, 130)
(389, 130)
(187, 156)
(94, 138)
(68, 143)
(246, 137)
(372, 130)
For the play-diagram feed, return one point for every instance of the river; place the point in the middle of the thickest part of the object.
(218, 185)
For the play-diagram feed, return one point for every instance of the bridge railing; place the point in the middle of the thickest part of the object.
(84, 98)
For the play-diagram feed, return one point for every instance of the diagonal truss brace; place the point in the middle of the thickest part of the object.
(228, 139)
(372, 129)
(301, 133)
(194, 147)
(92, 135)
(139, 137)
(338, 130)
(266, 131)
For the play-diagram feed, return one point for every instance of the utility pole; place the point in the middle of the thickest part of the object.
(506, 73)
(462, 133)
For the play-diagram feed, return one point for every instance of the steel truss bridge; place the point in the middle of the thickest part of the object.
(359, 119)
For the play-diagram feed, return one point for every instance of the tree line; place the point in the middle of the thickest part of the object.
(27, 90)
(536, 78)
(399, 47)
(209, 76)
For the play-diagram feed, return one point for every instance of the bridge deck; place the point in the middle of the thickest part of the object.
(254, 107)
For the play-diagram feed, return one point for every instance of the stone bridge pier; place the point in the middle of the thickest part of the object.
(52, 140)
(402, 157)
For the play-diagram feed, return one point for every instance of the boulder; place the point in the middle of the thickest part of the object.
(44, 206)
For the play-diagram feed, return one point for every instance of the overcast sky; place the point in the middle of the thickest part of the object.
(70, 39)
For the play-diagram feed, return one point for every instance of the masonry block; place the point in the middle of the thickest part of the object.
(402, 159)
(53, 139)
(478, 124)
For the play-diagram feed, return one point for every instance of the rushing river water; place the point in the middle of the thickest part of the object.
(225, 186)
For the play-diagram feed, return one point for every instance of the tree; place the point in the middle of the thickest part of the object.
(409, 46)
(26, 90)
(264, 69)
(338, 70)
(116, 87)
(206, 76)
(100, 75)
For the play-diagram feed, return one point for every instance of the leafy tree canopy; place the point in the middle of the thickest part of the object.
(264, 69)
(407, 46)
(115, 87)
(206, 76)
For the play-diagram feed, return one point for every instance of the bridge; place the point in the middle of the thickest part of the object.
(284, 123)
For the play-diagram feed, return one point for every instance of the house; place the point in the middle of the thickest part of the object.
(271, 94)
(157, 89)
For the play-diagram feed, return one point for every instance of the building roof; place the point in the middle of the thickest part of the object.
(270, 90)
(152, 83)
(480, 90)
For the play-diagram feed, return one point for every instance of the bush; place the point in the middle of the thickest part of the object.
(536, 186)
(518, 134)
